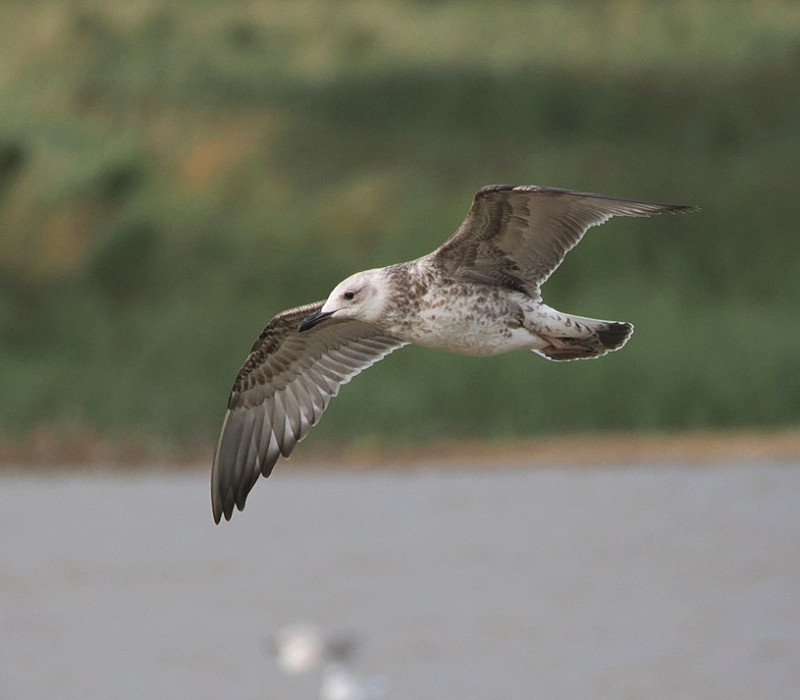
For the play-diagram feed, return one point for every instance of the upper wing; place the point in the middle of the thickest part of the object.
(517, 236)
(281, 392)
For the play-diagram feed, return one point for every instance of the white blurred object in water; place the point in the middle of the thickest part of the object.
(299, 648)
(338, 683)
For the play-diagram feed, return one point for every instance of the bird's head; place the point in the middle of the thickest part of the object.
(360, 297)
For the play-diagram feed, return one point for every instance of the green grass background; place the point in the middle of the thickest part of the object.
(173, 174)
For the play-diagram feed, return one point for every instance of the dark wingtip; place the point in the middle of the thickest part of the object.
(683, 209)
(222, 506)
(218, 509)
(223, 496)
(222, 512)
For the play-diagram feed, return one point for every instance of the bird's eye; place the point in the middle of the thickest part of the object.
(349, 295)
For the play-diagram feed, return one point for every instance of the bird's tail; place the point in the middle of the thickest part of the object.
(586, 337)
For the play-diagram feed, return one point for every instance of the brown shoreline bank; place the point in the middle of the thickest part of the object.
(81, 450)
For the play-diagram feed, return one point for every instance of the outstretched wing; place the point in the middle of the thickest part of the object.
(517, 236)
(281, 392)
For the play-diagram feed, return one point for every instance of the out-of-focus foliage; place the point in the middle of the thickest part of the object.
(172, 175)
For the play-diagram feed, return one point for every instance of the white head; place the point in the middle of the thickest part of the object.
(361, 296)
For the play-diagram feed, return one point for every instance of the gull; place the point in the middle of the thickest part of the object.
(479, 293)
(302, 647)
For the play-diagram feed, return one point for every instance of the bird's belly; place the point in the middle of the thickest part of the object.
(468, 333)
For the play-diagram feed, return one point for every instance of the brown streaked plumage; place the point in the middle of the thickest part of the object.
(281, 392)
(477, 294)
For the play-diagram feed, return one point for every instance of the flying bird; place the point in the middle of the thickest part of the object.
(477, 294)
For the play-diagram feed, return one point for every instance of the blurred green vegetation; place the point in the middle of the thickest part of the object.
(172, 175)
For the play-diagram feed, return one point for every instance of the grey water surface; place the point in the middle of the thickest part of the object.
(659, 581)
